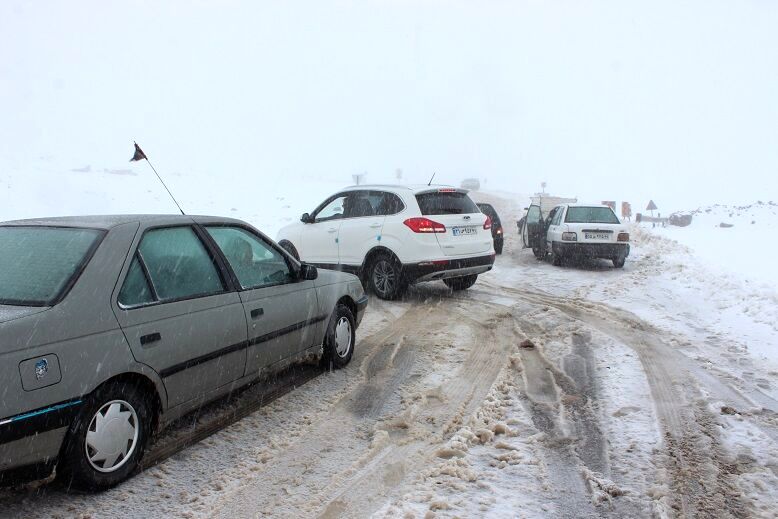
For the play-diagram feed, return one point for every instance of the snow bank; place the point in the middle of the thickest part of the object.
(743, 250)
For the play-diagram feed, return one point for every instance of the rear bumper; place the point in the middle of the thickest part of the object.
(361, 305)
(442, 269)
(36, 436)
(591, 250)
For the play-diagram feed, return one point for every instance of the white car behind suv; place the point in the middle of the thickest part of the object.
(393, 236)
(586, 230)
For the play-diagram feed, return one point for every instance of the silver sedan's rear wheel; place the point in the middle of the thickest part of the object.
(340, 338)
(108, 437)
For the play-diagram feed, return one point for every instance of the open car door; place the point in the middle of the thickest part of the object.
(533, 231)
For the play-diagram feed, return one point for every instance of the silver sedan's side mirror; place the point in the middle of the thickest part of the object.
(308, 272)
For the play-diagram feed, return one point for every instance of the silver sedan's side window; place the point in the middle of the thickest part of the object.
(256, 264)
(171, 264)
(135, 290)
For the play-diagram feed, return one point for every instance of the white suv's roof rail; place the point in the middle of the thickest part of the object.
(415, 188)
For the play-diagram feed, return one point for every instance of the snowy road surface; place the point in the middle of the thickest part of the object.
(581, 391)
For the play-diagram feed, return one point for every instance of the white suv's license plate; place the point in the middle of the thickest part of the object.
(597, 236)
(460, 231)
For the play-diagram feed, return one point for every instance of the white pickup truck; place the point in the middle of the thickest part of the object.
(576, 230)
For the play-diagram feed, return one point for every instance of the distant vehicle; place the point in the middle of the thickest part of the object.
(578, 230)
(471, 184)
(113, 326)
(497, 231)
(392, 236)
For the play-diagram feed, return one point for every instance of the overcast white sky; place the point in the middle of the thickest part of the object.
(677, 101)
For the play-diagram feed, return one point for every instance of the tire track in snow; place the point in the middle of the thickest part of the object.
(700, 478)
(342, 447)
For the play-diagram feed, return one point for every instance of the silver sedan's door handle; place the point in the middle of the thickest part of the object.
(333, 229)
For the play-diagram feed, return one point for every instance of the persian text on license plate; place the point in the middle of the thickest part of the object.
(460, 231)
(597, 236)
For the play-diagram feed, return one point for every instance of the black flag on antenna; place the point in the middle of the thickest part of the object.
(139, 155)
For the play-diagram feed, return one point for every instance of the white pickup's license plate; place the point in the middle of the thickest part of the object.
(597, 236)
(460, 231)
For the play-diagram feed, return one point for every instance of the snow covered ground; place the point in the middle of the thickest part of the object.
(575, 391)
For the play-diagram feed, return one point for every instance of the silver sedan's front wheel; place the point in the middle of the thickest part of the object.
(343, 337)
(340, 338)
(112, 436)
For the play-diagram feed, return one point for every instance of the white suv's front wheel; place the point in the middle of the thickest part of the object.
(385, 277)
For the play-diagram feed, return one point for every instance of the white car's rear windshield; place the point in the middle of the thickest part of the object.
(446, 203)
(38, 264)
(590, 215)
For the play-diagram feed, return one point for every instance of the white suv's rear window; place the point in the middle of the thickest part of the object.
(446, 203)
(590, 215)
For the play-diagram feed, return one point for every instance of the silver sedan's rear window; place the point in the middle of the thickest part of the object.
(39, 264)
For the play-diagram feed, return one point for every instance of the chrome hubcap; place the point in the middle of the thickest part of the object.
(343, 337)
(112, 436)
(383, 277)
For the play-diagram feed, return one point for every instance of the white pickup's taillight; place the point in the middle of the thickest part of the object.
(488, 224)
(424, 225)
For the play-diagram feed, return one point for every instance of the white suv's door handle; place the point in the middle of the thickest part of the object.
(375, 226)
(333, 229)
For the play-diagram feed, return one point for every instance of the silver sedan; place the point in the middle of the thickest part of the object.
(113, 326)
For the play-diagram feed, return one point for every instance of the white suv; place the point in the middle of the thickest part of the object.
(392, 236)
(586, 230)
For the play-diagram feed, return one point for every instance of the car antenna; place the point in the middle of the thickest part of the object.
(433, 176)
(140, 155)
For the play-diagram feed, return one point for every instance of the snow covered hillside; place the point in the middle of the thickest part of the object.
(54, 187)
(735, 241)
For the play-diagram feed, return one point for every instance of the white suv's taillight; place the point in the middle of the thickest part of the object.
(424, 225)
(623, 236)
(488, 224)
(569, 236)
